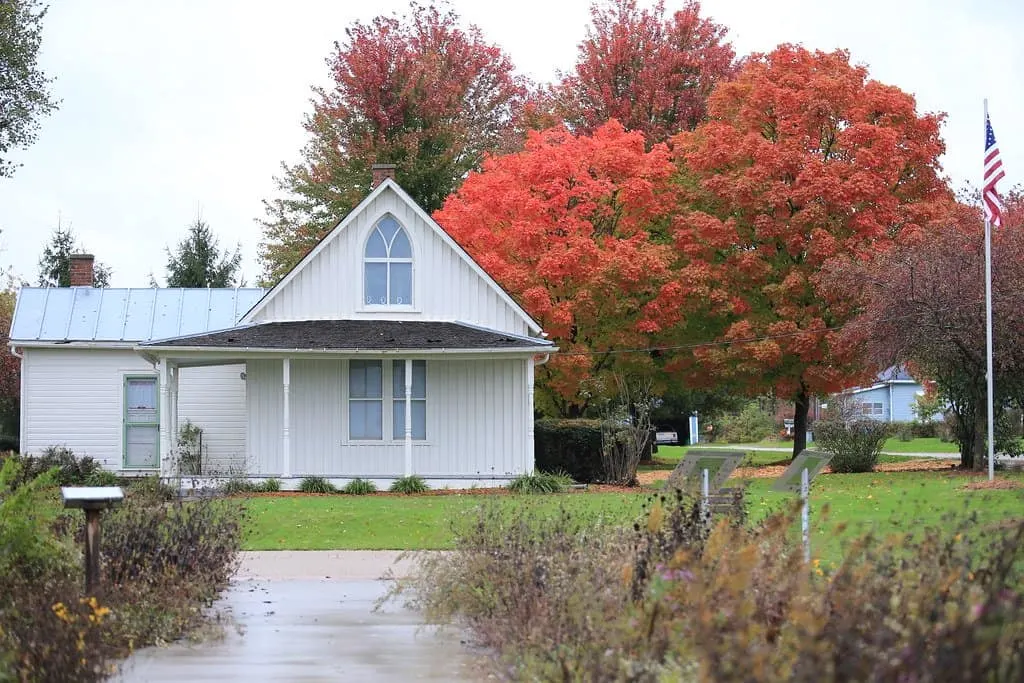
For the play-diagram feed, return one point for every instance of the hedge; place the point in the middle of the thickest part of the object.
(570, 445)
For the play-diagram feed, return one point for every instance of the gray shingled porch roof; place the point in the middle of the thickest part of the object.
(355, 335)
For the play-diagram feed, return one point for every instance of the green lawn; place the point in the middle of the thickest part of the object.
(896, 501)
(893, 445)
(668, 457)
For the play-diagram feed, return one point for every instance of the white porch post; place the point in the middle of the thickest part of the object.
(165, 414)
(286, 447)
(408, 417)
(175, 374)
(531, 464)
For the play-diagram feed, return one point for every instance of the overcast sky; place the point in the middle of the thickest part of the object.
(172, 108)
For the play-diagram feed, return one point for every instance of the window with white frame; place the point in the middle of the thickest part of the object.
(367, 382)
(419, 399)
(387, 265)
(365, 400)
(873, 408)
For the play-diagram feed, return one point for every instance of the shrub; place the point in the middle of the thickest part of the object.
(239, 486)
(572, 446)
(71, 469)
(677, 601)
(102, 478)
(541, 482)
(359, 487)
(316, 485)
(411, 484)
(750, 425)
(904, 431)
(151, 488)
(270, 485)
(855, 445)
(190, 449)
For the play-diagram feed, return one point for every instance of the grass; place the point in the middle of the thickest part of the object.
(893, 445)
(890, 502)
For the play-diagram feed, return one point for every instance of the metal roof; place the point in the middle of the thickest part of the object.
(125, 315)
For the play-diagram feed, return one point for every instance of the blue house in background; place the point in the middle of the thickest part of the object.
(891, 397)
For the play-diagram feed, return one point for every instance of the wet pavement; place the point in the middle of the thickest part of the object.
(309, 630)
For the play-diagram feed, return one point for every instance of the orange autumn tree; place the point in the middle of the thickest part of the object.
(565, 226)
(804, 161)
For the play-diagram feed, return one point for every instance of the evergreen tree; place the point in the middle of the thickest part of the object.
(197, 261)
(55, 263)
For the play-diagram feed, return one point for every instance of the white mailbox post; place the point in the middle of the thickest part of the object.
(92, 499)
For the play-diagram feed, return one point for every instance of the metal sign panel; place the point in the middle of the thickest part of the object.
(812, 461)
(88, 496)
(719, 464)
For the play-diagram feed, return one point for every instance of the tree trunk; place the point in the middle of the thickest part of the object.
(980, 435)
(802, 404)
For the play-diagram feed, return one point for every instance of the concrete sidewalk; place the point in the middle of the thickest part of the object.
(334, 565)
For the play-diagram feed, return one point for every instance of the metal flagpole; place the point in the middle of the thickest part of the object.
(988, 334)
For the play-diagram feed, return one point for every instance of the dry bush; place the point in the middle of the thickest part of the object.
(561, 599)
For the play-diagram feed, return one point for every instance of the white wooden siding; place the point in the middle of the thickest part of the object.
(445, 286)
(477, 422)
(75, 399)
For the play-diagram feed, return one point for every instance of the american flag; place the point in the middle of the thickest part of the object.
(993, 174)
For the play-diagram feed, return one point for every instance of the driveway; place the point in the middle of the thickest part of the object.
(308, 616)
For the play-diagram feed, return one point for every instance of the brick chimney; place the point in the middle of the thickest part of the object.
(81, 270)
(380, 172)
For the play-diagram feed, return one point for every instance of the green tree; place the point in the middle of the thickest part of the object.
(24, 88)
(55, 263)
(197, 261)
(417, 91)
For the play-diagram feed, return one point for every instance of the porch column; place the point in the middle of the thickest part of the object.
(165, 413)
(408, 417)
(175, 373)
(531, 462)
(286, 447)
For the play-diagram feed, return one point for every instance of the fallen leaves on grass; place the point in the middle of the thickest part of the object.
(990, 485)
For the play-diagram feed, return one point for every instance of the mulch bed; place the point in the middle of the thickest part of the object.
(772, 471)
(991, 485)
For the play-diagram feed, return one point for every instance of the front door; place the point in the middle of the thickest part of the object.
(141, 423)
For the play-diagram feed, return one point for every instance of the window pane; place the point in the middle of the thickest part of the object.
(141, 393)
(376, 285)
(397, 379)
(401, 283)
(419, 419)
(400, 247)
(398, 419)
(375, 246)
(419, 379)
(364, 420)
(141, 447)
(364, 379)
(388, 226)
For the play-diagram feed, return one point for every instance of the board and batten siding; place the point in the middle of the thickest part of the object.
(445, 286)
(478, 418)
(75, 398)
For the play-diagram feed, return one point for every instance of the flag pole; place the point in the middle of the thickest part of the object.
(988, 335)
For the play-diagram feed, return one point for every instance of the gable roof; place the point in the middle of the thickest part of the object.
(92, 314)
(389, 183)
(357, 335)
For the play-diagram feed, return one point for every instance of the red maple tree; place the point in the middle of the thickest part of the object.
(651, 72)
(565, 226)
(804, 161)
(10, 368)
(419, 91)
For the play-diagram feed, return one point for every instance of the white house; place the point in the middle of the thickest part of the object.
(387, 351)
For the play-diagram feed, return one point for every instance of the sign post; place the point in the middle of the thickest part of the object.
(93, 500)
(694, 429)
(797, 477)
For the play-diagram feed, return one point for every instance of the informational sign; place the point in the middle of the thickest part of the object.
(694, 430)
(812, 461)
(719, 464)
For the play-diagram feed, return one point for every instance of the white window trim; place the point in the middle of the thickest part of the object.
(407, 308)
(387, 416)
